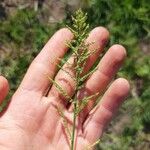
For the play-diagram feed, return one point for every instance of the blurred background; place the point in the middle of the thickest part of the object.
(26, 25)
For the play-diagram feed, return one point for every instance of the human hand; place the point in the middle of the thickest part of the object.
(32, 122)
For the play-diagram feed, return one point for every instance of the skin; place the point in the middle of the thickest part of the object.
(32, 122)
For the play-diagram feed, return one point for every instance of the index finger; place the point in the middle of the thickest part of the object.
(45, 64)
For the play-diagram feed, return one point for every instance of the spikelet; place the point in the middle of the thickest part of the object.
(80, 52)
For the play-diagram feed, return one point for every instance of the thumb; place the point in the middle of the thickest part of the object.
(4, 87)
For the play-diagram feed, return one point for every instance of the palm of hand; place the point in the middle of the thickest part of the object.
(32, 121)
(38, 127)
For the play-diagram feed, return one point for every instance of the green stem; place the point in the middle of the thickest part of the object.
(75, 106)
(74, 126)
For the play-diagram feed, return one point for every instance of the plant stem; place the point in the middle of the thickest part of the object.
(74, 125)
(75, 103)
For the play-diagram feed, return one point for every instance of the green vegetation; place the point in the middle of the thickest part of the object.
(24, 34)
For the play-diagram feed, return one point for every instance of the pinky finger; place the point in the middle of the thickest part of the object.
(100, 116)
(4, 87)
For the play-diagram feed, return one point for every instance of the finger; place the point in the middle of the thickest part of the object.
(102, 114)
(4, 87)
(99, 80)
(99, 36)
(44, 64)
